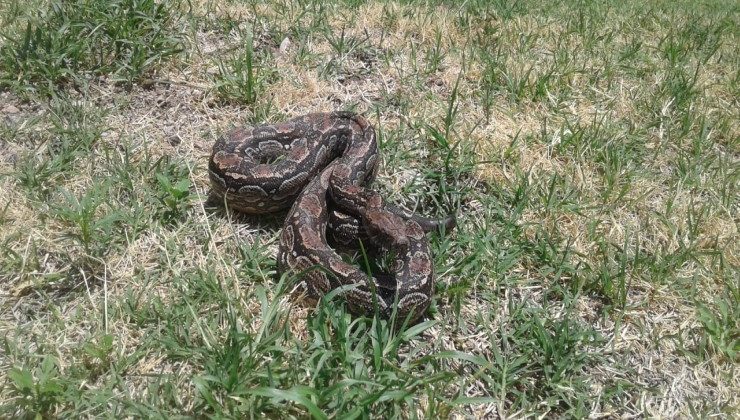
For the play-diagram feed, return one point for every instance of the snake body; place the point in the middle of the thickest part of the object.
(320, 165)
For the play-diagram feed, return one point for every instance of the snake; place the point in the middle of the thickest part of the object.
(319, 166)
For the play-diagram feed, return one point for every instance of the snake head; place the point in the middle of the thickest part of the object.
(385, 227)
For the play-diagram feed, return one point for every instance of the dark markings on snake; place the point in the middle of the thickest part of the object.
(331, 159)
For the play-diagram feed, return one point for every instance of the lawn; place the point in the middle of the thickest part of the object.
(590, 150)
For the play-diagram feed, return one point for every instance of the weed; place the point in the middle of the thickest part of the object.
(175, 196)
(39, 389)
(87, 227)
(242, 79)
(721, 327)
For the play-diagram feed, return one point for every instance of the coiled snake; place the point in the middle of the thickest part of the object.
(322, 163)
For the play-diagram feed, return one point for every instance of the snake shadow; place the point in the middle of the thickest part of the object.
(269, 221)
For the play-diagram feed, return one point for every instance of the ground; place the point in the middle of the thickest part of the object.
(589, 150)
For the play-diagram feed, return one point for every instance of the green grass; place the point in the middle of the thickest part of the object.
(589, 149)
(69, 42)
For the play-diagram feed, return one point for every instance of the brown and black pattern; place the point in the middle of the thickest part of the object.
(322, 165)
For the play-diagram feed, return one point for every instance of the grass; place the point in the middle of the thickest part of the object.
(71, 41)
(589, 149)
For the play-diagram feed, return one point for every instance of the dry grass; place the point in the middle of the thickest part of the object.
(595, 172)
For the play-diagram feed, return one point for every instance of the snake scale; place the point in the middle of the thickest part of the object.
(322, 164)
